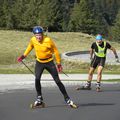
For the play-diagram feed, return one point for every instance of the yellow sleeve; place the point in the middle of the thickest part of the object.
(56, 53)
(29, 48)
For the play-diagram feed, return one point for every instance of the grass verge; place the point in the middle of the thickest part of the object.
(13, 44)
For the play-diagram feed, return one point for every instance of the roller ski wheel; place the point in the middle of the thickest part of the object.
(98, 90)
(78, 88)
(74, 106)
(33, 106)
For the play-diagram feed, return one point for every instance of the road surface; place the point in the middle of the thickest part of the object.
(16, 96)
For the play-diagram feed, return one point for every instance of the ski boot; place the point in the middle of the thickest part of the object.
(98, 87)
(71, 103)
(38, 103)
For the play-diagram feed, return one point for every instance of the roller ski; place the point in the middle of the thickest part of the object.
(33, 106)
(83, 88)
(98, 90)
(38, 103)
(98, 87)
(71, 103)
(87, 86)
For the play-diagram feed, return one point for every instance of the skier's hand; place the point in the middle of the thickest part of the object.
(59, 67)
(19, 59)
(117, 59)
(91, 58)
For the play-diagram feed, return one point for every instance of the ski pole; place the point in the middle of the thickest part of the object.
(28, 68)
(33, 73)
(65, 73)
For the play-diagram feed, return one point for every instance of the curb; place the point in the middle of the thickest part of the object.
(26, 81)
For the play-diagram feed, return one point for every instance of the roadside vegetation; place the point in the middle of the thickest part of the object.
(13, 44)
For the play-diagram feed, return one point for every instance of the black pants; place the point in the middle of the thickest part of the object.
(51, 68)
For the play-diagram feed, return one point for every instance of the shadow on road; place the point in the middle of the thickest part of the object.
(95, 104)
(52, 106)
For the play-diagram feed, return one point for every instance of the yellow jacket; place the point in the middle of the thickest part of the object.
(44, 50)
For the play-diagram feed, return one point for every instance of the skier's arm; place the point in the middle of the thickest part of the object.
(57, 57)
(29, 48)
(115, 53)
(91, 53)
(56, 53)
(27, 51)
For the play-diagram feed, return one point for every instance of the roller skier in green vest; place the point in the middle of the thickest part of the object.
(99, 49)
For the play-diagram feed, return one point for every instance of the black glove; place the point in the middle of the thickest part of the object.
(116, 58)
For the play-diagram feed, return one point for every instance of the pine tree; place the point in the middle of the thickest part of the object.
(50, 15)
(108, 8)
(85, 18)
(18, 10)
(7, 14)
(2, 22)
(65, 10)
(115, 30)
(29, 16)
(89, 16)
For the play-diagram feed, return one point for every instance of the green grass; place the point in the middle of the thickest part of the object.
(111, 80)
(13, 44)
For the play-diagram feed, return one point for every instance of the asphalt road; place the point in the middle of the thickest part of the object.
(14, 104)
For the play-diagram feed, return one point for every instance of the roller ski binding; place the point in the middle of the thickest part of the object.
(38, 103)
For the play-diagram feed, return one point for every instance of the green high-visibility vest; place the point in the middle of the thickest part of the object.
(101, 51)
